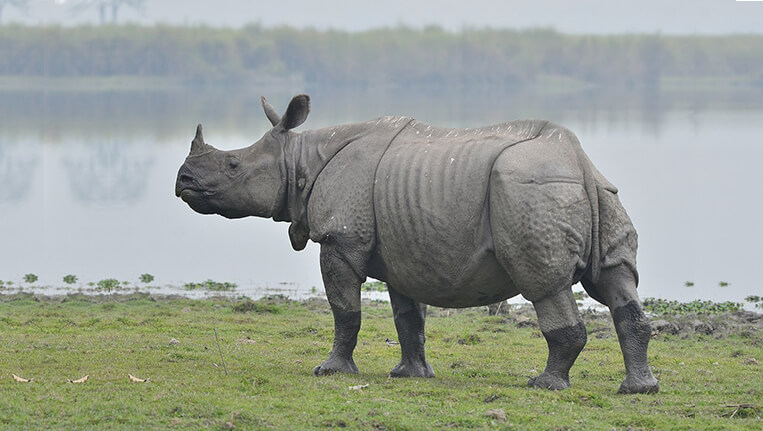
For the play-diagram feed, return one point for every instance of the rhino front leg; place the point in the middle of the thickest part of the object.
(565, 334)
(342, 284)
(618, 286)
(409, 321)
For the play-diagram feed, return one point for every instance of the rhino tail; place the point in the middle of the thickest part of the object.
(592, 190)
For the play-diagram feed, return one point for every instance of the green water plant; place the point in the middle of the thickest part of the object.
(756, 300)
(217, 286)
(70, 279)
(579, 295)
(374, 286)
(146, 278)
(108, 284)
(30, 278)
(663, 306)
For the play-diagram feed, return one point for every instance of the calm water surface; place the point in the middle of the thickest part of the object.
(87, 184)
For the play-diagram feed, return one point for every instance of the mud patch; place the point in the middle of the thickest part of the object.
(743, 323)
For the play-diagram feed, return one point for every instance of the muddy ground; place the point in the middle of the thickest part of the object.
(599, 323)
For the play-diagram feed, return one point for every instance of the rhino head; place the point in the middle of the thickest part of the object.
(246, 182)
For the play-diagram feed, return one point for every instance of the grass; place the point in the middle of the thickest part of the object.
(270, 346)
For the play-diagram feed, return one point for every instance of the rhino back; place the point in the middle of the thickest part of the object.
(432, 223)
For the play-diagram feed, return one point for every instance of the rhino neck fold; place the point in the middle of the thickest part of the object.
(305, 156)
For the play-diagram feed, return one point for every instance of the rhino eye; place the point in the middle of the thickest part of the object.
(233, 164)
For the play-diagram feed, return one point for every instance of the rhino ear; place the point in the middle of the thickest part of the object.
(270, 112)
(296, 113)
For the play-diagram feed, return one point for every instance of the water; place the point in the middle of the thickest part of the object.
(87, 183)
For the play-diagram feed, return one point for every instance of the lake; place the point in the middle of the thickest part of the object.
(87, 181)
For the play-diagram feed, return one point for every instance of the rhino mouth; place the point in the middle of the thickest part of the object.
(187, 182)
(196, 200)
(187, 191)
(191, 188)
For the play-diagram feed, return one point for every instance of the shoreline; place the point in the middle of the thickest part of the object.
(668, 324)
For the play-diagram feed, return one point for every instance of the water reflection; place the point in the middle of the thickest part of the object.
(52, 115)
(18, 164)
(108, 172)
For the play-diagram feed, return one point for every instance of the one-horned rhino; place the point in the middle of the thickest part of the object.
(446, 217)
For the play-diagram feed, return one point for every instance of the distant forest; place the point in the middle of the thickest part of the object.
(399, 57)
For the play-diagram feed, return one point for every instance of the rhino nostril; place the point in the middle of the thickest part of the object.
(186, 178)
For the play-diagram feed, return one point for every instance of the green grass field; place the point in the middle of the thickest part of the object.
(270, 347)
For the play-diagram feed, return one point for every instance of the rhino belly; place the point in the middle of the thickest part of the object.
(432, 228)
(429, 280)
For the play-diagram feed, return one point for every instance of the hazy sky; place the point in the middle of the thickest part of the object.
(570, 16)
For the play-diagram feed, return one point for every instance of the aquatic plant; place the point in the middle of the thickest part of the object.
(30, 278)
(374, 286)
(211, 285)
(70, 279)
(146, 278)
(664, 306)
(579, 295)
(108, 284)
(755, 299)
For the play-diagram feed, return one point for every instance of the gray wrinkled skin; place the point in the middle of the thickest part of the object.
(447, 217)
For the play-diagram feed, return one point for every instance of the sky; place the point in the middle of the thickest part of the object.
(577, 17)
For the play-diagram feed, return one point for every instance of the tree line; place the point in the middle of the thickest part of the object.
(400, 57)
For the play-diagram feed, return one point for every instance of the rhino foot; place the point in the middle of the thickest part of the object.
(408, 369)
(549, 381)
(639, 385)
(334, 365)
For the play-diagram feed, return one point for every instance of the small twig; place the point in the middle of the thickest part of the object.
(738, 407)
(220, 349)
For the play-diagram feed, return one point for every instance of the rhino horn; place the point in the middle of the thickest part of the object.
(198, 146)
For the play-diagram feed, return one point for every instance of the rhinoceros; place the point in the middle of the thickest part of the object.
(446, 217)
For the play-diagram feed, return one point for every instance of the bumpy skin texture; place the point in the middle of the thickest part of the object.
(447, 217)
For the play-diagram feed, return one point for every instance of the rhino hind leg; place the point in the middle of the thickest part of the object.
(565, 334)
(410, 317)
(342, 285)
(618, 286)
